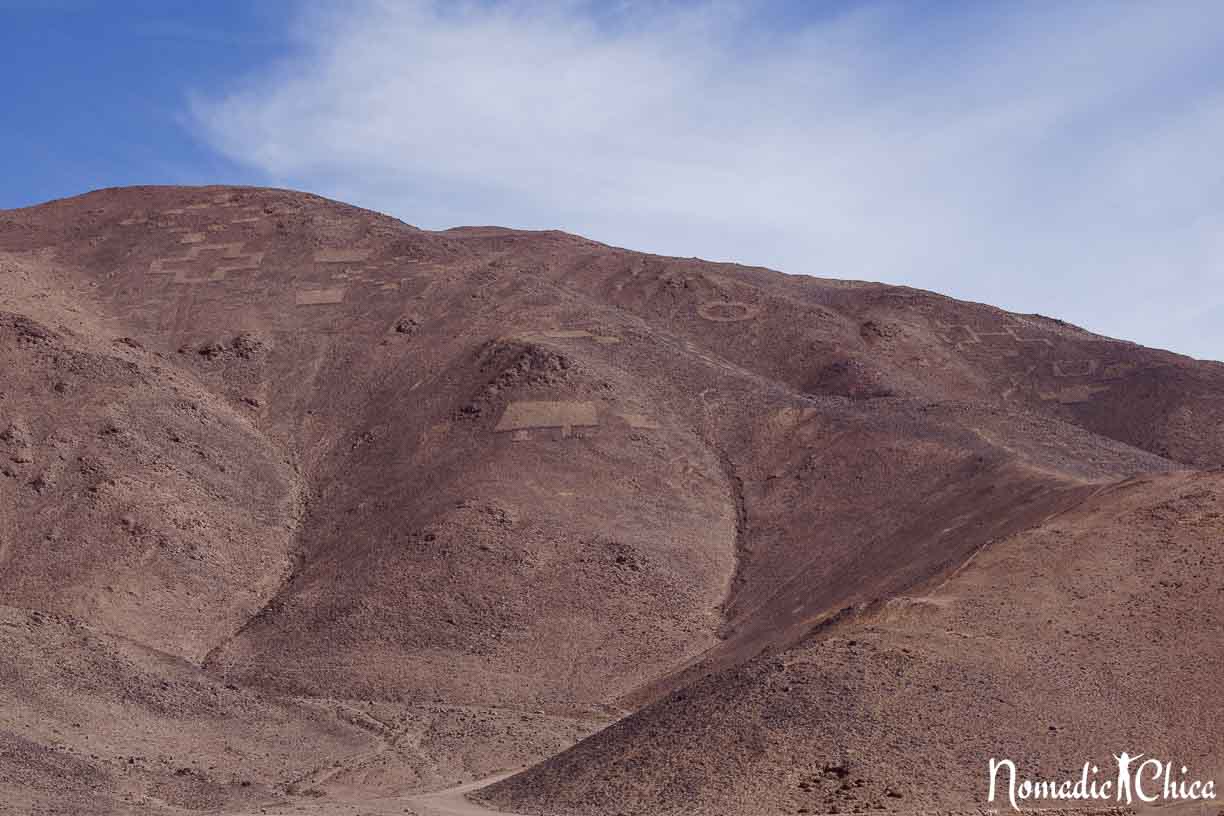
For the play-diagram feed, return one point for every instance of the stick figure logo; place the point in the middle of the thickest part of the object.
(1125, 775)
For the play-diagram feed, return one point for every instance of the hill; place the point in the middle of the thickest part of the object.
(280, 472)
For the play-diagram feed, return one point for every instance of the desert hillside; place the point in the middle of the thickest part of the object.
(1097, 627)
(303, 509)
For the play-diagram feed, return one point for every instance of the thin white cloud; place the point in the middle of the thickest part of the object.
(1059, 158)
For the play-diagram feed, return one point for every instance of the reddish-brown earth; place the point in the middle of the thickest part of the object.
(303, 509)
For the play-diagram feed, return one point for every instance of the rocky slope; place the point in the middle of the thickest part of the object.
(279, 472)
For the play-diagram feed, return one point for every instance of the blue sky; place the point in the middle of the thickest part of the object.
(1061, 158)
(98, 91)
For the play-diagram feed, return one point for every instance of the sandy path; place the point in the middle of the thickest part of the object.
(452, 802)
(449, 802)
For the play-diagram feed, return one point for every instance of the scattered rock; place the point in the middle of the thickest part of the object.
(27, 331)
(211, 350)
(248, 345)
(15, 434)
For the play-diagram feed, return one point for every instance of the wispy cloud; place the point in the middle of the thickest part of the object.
(1060, 158)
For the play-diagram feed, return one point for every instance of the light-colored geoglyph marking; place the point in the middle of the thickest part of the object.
(1014, 383)
(1091, 368)
(249, 215)
(789, 417)
(961, 336)
(1074, 368)
(342, 255)
(642, 422)
(602, 339)
(354, 274)
(529, 415)
(974, 337)
(193, 238)
(320, 297)
(231, 254)
(1072, 394)
(348, 274)
(1115, 370)
(728, 311)
(567, 334)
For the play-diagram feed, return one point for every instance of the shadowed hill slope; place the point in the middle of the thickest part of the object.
(1092, 633)
(486, 481)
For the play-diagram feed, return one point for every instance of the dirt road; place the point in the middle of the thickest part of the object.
(453, 802)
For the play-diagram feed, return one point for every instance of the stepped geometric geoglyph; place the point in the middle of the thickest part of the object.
(223, 258)
(528, 415)
(974, 337)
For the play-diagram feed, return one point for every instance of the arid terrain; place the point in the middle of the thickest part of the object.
(306, 510)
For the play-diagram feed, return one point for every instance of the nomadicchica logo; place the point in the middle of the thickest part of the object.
(1152, 780)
